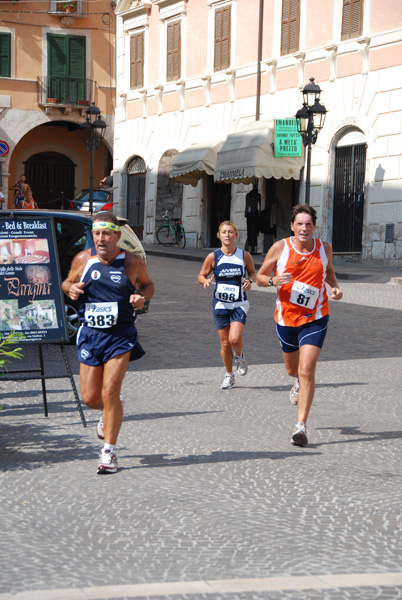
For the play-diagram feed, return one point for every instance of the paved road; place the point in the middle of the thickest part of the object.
(212, 501)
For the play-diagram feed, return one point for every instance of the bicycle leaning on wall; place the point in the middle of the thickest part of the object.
(171, 232)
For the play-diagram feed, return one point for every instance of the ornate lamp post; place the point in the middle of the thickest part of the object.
(92, 132)
(310, 121)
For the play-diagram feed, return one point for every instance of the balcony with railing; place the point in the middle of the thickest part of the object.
(72, 8)
(65, 92)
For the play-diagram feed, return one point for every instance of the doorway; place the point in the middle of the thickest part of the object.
(136, 176)
(280, 197)
(348, 205)
(51, 177)
(219, 203)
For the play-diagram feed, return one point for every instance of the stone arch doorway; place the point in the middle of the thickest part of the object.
(169, 193)
(136, 178)
(348, 197)
(51, 176)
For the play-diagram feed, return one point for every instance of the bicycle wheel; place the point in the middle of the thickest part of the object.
(164, 235)
(181, 237)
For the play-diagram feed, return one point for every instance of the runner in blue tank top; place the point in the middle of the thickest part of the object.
(104, 279)
(229, 266)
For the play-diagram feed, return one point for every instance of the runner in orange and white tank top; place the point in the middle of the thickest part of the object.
(302, 267)
(305, 298)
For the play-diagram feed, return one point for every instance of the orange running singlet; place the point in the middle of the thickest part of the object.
(305, 298)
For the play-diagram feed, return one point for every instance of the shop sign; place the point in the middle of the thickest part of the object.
(31, 299)
(287, 138)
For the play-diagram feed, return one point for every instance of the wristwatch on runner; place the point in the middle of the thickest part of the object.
(271, 282)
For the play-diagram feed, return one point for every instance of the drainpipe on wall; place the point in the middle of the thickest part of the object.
(260, 35)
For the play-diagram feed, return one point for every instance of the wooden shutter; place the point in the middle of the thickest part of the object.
(352, 19)
(290, 26)
(137, 60)
(173, 48)
(5, 54)
(66, 67)
(222, 39)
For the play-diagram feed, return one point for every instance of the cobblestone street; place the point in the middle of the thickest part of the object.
(211, 500)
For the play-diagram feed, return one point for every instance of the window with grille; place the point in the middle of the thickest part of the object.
(136, 60)
(173, 50)
(222, 39)
(352, 19)
(5, 54)
(290, 26)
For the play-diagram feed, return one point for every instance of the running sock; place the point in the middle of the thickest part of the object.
(231, 373)
(109, 448)
(241, 356)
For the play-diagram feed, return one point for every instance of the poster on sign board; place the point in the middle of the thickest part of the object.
(31, 298)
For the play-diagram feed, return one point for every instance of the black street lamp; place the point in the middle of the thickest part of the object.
(92, 132)
(310, 121)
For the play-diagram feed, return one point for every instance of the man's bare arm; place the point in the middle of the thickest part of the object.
(71, 286)
(137, 272)
(330, 278)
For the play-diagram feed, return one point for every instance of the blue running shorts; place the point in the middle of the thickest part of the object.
(223, 317)
(313, 333)
(96, 347)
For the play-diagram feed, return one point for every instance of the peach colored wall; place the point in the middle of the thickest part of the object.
(28, 24)
(347, 65)
(246, 87)
(154, 47)
(247, 32)
(170, 102)
(197, 34)
(286, 78)
(319, 19)
(390, 56)
(152, 107)
(195, 98)
(319, 70)
(219, 93)
(385, 15)
(134, 110)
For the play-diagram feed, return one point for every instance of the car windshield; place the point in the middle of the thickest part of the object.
(101, 195)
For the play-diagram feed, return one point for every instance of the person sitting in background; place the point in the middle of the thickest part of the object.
(107, 181)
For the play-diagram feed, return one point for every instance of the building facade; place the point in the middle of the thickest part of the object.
(56, 59)
(194, 74)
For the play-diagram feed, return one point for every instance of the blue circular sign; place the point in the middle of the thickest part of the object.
(4, 148)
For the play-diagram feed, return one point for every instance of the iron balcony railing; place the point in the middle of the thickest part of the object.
(65, 90)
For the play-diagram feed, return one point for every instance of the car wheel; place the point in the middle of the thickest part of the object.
(72, 321)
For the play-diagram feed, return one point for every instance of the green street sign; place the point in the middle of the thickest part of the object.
(287, 138)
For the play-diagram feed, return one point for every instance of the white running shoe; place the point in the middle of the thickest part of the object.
(228, 382)
(107, 462)
(294, 393)
(241, 365)
(299, 437)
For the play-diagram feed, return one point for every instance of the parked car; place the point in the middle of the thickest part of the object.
(102, 199)
(73, 234)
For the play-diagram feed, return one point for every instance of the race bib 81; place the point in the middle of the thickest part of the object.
(303, 294)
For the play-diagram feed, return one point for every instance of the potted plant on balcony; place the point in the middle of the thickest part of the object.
(70, 6)
(83, 102)
(52, 100)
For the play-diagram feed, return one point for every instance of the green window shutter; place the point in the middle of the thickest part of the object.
(66, 67)
(5, 54)
(76, 68)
